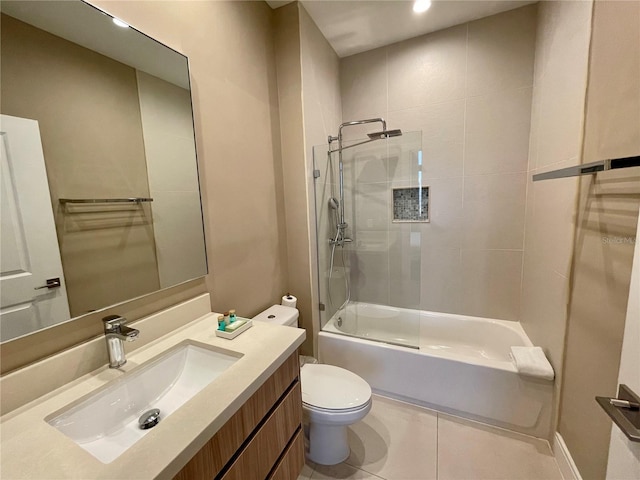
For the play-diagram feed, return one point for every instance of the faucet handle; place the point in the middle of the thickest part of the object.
(112, 322)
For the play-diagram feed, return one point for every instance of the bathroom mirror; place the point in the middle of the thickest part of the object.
(101, 115)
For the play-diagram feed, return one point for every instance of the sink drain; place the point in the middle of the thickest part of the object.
(149, 419)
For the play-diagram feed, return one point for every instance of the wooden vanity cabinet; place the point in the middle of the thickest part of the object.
(263, 439)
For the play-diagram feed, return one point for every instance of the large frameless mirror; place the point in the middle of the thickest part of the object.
(100, 193)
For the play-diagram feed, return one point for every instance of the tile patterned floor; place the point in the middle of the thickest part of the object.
(398, 441)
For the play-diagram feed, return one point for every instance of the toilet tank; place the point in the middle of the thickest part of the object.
(279, 315)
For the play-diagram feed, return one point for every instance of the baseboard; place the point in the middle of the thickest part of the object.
(566, 464)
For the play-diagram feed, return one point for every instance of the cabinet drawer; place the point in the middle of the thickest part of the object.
(292, 461)
(217, 452)
(261, 453)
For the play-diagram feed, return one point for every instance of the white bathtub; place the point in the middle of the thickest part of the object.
(458, 364)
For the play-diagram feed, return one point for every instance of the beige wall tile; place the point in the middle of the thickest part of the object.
(446, 221)
(405, 160)
(441, 280)
(500, 55)
(544, 307)
(442, 127)
(561, 76)
(491, 283)
(427, 69)
(550, 228)
(405, 266)
(561, 51)
(497, 132)
(430, 90)
(372, 206)
(363, 86)
(493, 211)
(369, 265)
(368, 163)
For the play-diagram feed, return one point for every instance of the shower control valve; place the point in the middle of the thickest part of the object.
(340, 242)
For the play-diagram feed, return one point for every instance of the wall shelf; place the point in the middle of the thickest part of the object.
(627, 419)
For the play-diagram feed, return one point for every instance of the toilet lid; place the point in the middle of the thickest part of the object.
(333, 388)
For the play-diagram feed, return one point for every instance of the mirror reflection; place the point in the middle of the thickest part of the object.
(100, 193)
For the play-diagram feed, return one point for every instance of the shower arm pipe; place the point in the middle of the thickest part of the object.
(361, 122)
(342, 224)
(351, 124)
(353, 145)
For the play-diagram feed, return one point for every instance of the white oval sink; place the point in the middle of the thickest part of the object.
(105, 422)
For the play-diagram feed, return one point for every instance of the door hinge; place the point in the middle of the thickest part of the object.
(316, 174)
(321, 307)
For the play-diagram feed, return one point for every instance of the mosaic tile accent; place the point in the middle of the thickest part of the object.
(411, 204)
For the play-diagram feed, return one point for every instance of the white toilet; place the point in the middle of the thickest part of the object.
(332, 398)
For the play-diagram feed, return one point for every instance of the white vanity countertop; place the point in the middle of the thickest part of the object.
(33, 449)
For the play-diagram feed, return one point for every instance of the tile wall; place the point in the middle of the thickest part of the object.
(468, 89)
(560, 82)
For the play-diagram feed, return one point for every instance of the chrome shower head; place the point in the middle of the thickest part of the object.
(333, 203)
(384, 134)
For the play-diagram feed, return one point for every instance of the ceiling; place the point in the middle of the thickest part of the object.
(354, 26)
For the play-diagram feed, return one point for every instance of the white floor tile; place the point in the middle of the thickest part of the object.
(342, 470)
(468, 450)
(398, 441)
(395, 440)
(307, 471)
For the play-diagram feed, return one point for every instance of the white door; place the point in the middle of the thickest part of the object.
(624, 455)
(29, 250)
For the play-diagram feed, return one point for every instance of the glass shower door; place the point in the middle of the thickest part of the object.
(370, 287)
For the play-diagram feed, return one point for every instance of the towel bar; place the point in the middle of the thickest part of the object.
(589, 168)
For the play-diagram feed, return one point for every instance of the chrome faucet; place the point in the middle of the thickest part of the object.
(115, 332)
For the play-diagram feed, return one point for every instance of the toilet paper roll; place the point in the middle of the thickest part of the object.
(289, 301)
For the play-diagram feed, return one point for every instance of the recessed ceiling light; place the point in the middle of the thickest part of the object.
(420, 6)
(122, 24)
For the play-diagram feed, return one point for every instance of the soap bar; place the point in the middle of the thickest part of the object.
(234, 326)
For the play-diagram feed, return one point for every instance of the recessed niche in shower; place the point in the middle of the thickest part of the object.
(410, 204)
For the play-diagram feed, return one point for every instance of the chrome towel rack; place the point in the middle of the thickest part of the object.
(589, 168)
(65, 201)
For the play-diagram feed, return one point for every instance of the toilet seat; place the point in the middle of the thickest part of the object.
(335, 410)
(331, 389)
